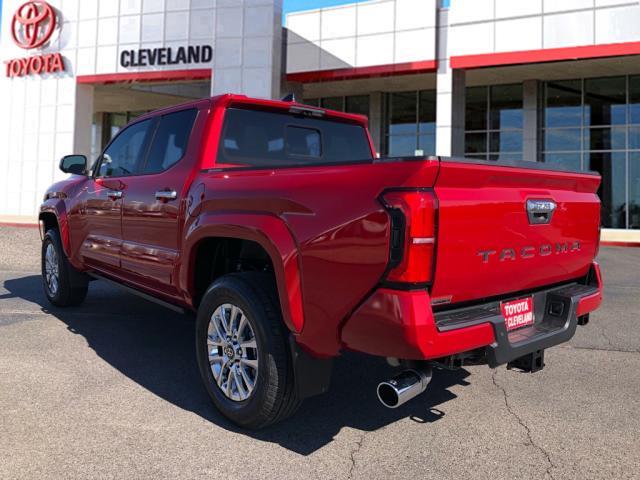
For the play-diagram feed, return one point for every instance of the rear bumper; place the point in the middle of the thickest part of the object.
(402, 324)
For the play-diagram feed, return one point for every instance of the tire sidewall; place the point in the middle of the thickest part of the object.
(51, 238)
(234, 291)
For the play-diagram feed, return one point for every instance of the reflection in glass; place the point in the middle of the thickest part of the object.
(563, 104)
(427, 112)
(506, 107)
(476, 142)
(506, 141)
(402, 145)
(476, 108)
(634, 189)
(403, 113)
(605, 101)
(564, 161)
(612, 190)
(605, 138)
(357, 104)
(562, 139)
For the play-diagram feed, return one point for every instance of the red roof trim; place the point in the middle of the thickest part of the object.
(156, 76)
(545, 55)
(427, 66)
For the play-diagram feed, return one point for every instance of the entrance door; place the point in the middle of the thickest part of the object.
(102, 199)
(152, 205)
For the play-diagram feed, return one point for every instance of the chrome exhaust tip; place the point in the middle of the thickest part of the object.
(403, 387)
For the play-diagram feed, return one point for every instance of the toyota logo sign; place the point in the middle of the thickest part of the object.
(33, 24)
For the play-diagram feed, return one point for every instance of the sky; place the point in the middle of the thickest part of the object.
(298, 5)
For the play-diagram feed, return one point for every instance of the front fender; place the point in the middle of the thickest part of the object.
(268, 231)
(57, 208)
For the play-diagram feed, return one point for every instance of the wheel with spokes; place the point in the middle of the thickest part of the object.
(241, 344)
(63, 285)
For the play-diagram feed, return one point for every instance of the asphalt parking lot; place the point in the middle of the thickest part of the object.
(111, 390)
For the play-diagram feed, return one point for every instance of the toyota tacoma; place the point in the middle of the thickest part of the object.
(292, 241)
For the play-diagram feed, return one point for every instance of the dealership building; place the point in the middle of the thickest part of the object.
(500, 80)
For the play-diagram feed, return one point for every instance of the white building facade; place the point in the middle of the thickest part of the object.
(498, 80)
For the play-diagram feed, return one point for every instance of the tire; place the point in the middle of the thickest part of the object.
(70, 286)
(273, 396)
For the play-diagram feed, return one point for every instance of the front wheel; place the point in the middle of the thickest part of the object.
(63, 285)
(241, 344)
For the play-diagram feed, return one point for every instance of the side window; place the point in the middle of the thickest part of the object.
(170, 141)
(124, 155)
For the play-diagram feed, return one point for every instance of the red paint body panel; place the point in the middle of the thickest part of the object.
(482, 209)
(327, 234)
(592, 302)
(399, 324)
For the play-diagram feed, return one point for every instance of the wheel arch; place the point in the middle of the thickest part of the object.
(54, 215)
(272, 236)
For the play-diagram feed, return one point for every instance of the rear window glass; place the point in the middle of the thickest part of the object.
(270, 139)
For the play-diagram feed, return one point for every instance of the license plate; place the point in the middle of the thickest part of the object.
(517, 313)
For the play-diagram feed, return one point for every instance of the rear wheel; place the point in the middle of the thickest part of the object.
(242, 351)
(63, 285)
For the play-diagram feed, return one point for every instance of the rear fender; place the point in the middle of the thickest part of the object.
(272, 234)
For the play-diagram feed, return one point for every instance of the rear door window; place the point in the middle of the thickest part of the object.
(252, 138)
(170, 141)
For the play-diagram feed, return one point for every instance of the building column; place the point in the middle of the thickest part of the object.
(83, 121)
(530, 96)
(450, 97)
(376, 120)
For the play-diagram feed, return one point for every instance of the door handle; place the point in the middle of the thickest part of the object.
(166, 195)
(114, 194)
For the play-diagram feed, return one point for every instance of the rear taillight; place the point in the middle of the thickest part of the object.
(413, 236)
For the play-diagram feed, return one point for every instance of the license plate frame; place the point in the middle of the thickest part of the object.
(518, 313)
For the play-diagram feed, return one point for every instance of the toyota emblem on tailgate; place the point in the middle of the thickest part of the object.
(540, 211)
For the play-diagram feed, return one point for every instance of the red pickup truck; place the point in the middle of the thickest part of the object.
(277, 223)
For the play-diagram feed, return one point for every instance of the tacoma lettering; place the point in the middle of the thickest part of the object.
(543, 250)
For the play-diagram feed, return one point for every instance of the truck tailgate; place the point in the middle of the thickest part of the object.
(488, 246)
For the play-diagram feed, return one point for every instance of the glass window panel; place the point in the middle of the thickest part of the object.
(170, 141)
(612, 190)
(427, 111)
(634, 100)
(427, 143)
(475, 142)
(476, 108)
(506, 157)
(403, 113)
(565, 139)
(605, 101)
(314, 102)
(563, 104)
(124, 155)
(477, 157)
(402, 146)
(333, 103)
(506, 107)
(508, 141)
(564, 161)
(634, 190)
(634, 138)
(605, 138)
(357, 104)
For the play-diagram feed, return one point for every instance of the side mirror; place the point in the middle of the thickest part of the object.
(75, 164)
